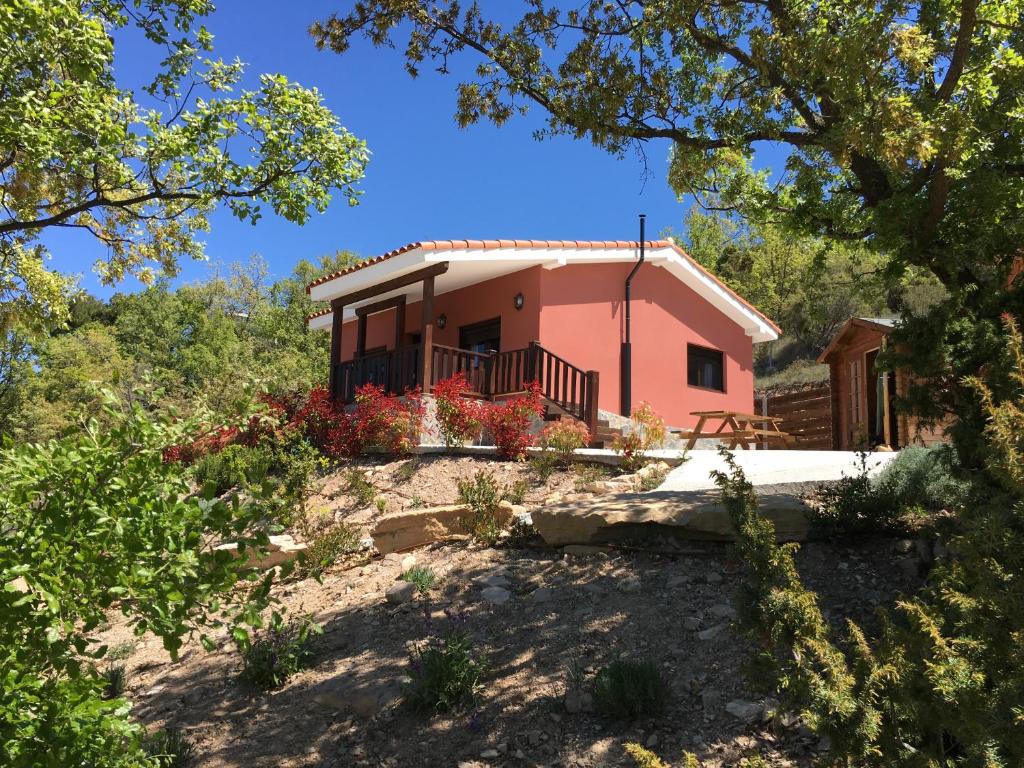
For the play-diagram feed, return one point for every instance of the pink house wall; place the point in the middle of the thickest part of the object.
(576, 311)
(582, 320)
(464, 306)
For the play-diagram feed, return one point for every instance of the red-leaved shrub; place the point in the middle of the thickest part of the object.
(564, 437)
(386, 422)
(458, 418)
(509, 423)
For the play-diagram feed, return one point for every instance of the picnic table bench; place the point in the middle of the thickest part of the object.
(736, 428)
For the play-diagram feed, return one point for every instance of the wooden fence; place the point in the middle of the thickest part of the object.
(806, 413)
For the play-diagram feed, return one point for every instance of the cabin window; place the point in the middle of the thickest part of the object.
(705, 368)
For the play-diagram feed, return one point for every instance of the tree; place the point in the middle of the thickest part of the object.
(809, 285)
(78, 151)
(899, 123)
(98, 521)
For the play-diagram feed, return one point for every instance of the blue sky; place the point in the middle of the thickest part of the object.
(427, 179)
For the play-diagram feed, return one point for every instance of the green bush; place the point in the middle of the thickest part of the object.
(421, 576)
(273, 656)
(115, 679)
(324, 547)
(516, 493)
(445, 673)
(855, 504)
(235, 466)
(925, 477)
(482, 496)
(361, 488)
(544, 465)
(628, 689)
(170, 748)
(94, 522)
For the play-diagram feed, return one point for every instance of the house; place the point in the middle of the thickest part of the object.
(507, 312)
(863, 414)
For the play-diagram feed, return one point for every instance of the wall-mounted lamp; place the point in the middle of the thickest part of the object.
(518, 300)
(442, 321)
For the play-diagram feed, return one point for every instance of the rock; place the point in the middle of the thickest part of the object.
(416, 527)
(683, 514)
(496, 595)
(402, 592)
(280, 549)
(408, 562)
(652, 741)
(713, 577)
(691, 623)
(489, 754)
(629, 584)
(494, 579)
(747, 711)
(722, 611)
(711, 632)
(578, 701)
(543, 594)
(677, 581)
(711, 700)
(904, 546)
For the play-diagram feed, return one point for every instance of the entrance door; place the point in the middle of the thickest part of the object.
(481, 337)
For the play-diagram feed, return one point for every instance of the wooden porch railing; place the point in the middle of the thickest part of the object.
(396, 370)
(572, 389)
(490, 375)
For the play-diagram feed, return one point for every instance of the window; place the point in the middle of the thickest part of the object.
(705, 367)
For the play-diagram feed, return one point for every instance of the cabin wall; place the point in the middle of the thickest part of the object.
(582, 320)
(850, 432)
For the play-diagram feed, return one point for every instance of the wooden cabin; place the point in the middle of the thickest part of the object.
(863, 415)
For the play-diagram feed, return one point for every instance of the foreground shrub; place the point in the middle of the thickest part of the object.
(942, 683)
(459, 419)
(646, 431)
(325, 545)
(236, 465)
(421, 576)
(924, 477)
(510, 423)
(643, 757)
(564, 438)
(627, 690)
(115, 681)
(484, 498)
(99, 521)
(445, 672)
(855, 504)
(377, 421)
(170, 748)
(273, 656)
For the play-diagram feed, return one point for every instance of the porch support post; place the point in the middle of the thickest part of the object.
(360, 335)
(427, 334)
(591, 408)
(337, 309)
(399, 322)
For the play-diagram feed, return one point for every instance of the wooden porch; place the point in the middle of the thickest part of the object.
(491, 375)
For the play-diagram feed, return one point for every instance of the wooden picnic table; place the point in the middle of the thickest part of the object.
(737, 428)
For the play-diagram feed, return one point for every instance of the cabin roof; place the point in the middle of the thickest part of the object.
(475, 261)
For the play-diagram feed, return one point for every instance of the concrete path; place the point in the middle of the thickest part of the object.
(771, 467)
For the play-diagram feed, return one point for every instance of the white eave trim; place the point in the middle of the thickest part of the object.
(679, 265)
